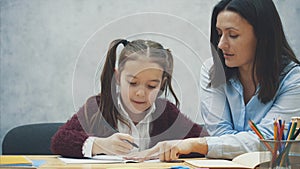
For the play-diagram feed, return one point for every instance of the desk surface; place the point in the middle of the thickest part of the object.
(54, 162)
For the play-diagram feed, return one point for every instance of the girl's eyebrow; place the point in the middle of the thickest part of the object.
(153, 80)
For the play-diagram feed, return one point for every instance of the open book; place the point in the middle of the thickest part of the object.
(100, 159)
(247, 160)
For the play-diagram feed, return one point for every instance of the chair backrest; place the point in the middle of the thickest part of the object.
(31, 139)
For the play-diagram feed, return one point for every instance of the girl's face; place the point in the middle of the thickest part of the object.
(237, 39)
(139, 82)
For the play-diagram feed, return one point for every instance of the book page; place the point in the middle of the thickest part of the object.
(108, 157)
(253, 159)
(213, 163)
(247, 160)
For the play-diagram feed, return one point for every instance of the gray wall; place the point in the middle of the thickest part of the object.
(52, 50)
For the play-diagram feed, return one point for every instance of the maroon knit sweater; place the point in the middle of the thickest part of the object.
(168, 124)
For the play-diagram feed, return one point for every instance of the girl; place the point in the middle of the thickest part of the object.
(128, 110)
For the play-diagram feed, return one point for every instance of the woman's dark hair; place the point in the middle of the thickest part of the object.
(273, 53)
(131, 51)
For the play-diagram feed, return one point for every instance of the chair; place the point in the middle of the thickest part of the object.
(30, 139)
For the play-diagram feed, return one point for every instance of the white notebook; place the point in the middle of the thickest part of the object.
(100, 159)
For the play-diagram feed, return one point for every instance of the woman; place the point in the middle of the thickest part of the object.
(254, 75)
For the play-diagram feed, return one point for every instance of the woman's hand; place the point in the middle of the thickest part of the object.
(170, 150)
(113, 145)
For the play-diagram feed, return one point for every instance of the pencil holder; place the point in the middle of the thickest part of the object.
(283, 154)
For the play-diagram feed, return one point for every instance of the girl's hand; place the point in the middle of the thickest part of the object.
(170, 150)
(113, 145)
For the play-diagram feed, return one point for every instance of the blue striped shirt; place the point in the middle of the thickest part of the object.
(226, 115)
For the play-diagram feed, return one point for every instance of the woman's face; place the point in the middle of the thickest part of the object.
(236, 39)
(140, 82)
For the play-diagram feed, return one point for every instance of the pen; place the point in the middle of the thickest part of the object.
(275, 130)
(276, 138)
(296, 134)
(258, 133)
(117, 131)
(289, 128)
(255, 129)
(282, 130)
(133, 144)
(292, 130)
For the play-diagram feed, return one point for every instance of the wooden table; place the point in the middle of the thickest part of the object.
(54, 162)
